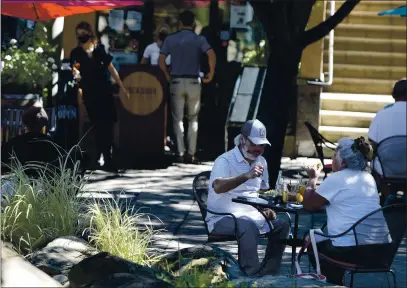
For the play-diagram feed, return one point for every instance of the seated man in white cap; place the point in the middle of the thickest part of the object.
(242, 172)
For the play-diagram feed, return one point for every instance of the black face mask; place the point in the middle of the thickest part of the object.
(83, 38)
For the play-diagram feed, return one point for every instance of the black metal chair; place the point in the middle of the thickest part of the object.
(392, 157)
(200, 189)
(320, 142)
(395, 216)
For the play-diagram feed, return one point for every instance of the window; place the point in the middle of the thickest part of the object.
(119, 30)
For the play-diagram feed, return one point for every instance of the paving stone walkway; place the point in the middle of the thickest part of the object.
(167, 194)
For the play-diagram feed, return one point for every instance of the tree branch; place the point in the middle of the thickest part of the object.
(321, 30)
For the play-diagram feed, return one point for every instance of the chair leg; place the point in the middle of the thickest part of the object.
(351, 279)
(344, 278)
(394, 277)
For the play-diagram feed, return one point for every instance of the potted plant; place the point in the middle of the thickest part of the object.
(27, 65)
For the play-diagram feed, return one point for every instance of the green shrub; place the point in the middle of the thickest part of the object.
(37, 210)
(120, 233)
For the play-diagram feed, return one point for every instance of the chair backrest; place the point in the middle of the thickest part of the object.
(319, 140)
(392, 155)
(200, 188)
(372, 229)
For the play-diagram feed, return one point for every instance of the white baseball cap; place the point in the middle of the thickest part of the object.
(255, 131)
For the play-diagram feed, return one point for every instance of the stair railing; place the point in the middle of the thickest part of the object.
(331, 55)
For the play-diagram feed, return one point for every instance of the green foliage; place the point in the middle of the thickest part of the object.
(37, 210)
(29, 62)
(119, 233)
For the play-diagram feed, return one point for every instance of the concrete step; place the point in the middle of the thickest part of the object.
(344, 43)
(370, 72)
(346, 118)
(354, 102)
(367, 58)
(371, 31)
(375, 5)
(357, 85)
(371, 17)
(334, 133)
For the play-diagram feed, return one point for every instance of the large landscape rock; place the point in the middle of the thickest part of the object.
(220, 264)
(58, 257)
(17, 272)
(105, 270)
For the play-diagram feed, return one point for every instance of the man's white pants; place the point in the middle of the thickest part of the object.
(185, 91)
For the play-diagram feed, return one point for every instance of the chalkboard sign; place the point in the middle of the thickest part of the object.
(246, 99)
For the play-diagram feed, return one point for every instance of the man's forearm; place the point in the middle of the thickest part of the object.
(212, 61)
(224, 185)
(163, 66)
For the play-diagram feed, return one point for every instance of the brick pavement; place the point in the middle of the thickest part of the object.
(167, 194)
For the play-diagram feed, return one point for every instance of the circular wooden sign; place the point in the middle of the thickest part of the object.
(146, 93)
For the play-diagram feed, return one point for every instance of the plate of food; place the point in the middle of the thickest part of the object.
(295, 206)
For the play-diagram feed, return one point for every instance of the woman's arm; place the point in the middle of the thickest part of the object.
(116, 77)
(312, 200)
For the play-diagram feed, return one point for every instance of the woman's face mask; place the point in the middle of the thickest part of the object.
(83, 38)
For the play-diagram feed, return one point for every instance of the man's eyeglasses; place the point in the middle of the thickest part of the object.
(252, 144)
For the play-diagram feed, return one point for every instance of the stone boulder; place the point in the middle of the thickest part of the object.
(58, 257)
(105, 270)
(219, 264)
(18, 272)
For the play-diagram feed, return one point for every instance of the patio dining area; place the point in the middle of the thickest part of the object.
(167, 194)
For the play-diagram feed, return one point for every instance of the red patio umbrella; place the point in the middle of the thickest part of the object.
(37, 10)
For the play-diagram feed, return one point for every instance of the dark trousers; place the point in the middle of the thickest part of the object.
(103, 134)
(365, 255)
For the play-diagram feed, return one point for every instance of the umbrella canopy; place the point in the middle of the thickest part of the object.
(44, 10)
(401, 11)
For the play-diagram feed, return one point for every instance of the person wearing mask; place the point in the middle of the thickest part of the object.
(152, 51)
(91, 67)
(185, 48)
(242, 172)
(348, 195)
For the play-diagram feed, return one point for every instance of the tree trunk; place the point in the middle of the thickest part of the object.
(280, 87)
(285, 22)
(278, 99)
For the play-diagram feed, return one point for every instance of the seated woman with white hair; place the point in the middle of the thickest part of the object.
(348, 194)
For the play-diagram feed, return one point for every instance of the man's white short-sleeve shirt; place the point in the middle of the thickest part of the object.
(231, 164)
(152, 52)
(388, 122)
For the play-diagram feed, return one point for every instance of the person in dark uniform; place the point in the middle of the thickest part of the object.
(91, 63)
(33, 146)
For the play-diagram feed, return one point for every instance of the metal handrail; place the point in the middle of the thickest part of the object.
(331, 55)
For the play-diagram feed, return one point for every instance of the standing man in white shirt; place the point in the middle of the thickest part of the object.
(390, 121)
(242, 172)
(152, 51)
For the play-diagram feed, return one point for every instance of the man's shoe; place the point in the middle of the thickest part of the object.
(179, 159)
(190, 159)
